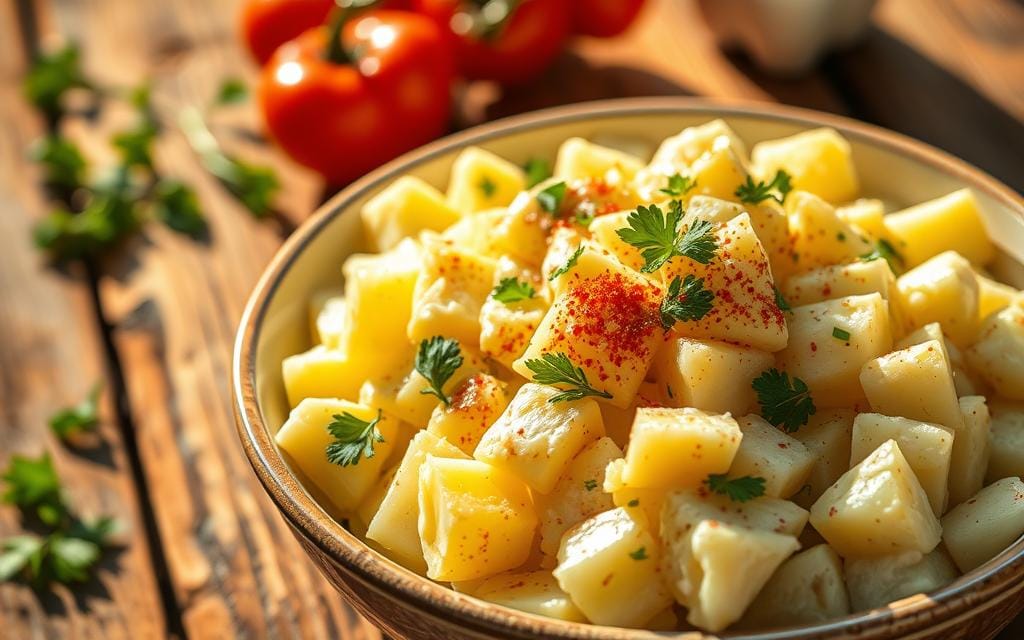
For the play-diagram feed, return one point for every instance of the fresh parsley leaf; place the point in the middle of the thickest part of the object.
(97, 531)
(569, 264)
(558, 369)
(487, 186)
(175, 204)
(17, 554)
(136, 145)
(737, 489)
(62, 162)
(686, 300)
(537, 170)
(33, 486)
(56, 558)
(437, 360)
(657, 234)
(51, 76)
(584, 214)
(590, 484)
(82, 417)
(698, 243)
(885, 251)
(109, 216)
(756, 193)
(550, 197)
(679, 185)
(513, 290)
(231, 91)
(840, 334)
(784, 402)
(253, 185)
(639, 554)
(353, 439)
(780, 302)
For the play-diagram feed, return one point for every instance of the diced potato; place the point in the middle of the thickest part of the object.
(679, 151)
(819, 161)
(867, 214)
(579, 159)
(370, 504)
(927, 447)
(993, 296)
(535, 439)
(678, 448)
(744, 309)
(818, 236)
(807, 588)
(402, 210)
(767, 452)
(718, 172)
(827, 435)
(304, 438)
(1007, 459)
(980, 528)
(506, 327)
(321, 373)
(475, 404)
(327, 315)
(619, 422)
(950, 223)
(875, 582)
(603, 230)
(649, 500)
(915, 383)
(708, 374)
(876, 508)
(998, 354)
(729, 565)
(608, 565)
(534, 592)
(944, 289)
(481, 180)
(578, 495)
(828, 363)
(840, 281)
(970, 450)
(933, 331)
(475, 520)
(767, 219)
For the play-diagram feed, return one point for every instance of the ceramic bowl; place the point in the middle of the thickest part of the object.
(899, 170)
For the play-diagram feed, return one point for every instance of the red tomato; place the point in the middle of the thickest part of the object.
(604, 18)
(523, 47)
(344, 118)
(267, 24)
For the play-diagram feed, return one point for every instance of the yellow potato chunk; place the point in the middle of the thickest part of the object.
(393, 525)
(578, 159)
(603, 230)
(327, 315)
(979, 529)
(321, 373)
(619, 422)
(534, 592)
(1007, 459)
(475, 520)
(830, 341)
(878, 507)
(768, 220)
(915, 383)
(819, 161)
(818, 236)
(767, 452)
(481, 180)
(993, 296)
(402, 210)
(681, 150)
(867, 214)
(650, 500)
(998, 354)
(950, 223)
(506, 327)
(608, 564)
(840, 281)
(927, 447)
(718, 172)
(806, 588)
(678, 448)
(475, 404)
(709, 375)
(535, 439)
(970, 450)
(828, 436)
(875, 582)
(304, 438)
(945, 290)
(370, 504)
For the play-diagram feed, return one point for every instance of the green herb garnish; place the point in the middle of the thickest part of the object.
(437, 360)
(780, 302)
(784, 402)
(657, 235)
(550, 197)
(513, 290)
(231, 91)
(569, 264)
(679, 185)
(537, 171)
(756, 193)
(685, 300)
(840, 334)
(353, 438)
(558, 369)
(639, 554)
(590, 485)
(737, 489)
(84, 416)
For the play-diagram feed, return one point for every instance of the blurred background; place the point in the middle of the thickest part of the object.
(150, 166)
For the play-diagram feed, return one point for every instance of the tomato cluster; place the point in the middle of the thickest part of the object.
(349, 84)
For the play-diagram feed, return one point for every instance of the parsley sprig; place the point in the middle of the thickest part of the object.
(785, 402)
(550, 197)
(537, 170)
(513, 290)
(657, 235)
(558, 369)
(569, 264)
(781, 302)
(685, 300)
(33, 487)
(736, 489)
(353, 438)
(84, 416)
(437, 360)
(885, 251)
(761, 191)
(678, 185)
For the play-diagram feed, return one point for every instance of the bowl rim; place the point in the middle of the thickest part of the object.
(316, 526)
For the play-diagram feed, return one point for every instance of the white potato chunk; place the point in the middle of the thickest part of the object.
(650, 500)
(818, 236)
(327, 314)
(993, 296)
(767, 452)
(945, 290)
(534, 592)
(950, 223)
(827, 435)
(1007, 459)
(402, 210)
(475, 404)
(579, 159)
(481, 180)
(819, 161)
(709, 375)
(971, 450)
(767, 219)
(807, 588)
(842, 280)
(875, 582)
(980, 528)
(998, 354)
(915, 383)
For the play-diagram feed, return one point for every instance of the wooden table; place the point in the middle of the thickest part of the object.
(206, 556)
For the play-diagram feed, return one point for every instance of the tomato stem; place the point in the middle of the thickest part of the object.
(345, 11)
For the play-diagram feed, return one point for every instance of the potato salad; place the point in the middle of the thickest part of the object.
(711, 389)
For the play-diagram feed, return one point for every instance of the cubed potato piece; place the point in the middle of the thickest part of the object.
(927, 447)
(807, 588)
(719, 171)
(766, 452)
(839, 281)
(649, 500)
(608, 326)
(1007, 458)
(506, 327)
(915, 383)
(608, 564)
(321, 373)
(709, 375)
(327, 315)
(304, 438)
(475, 404)
(950, 223)
(393, 525)
(875, 582)
(998, 354)
(534, 592)
(994, 296)
(578, 159)
(511, 231)
(679, 448)
(535, 439)
(729, 565)
(677, 152)
(619, 422)
(481, 180)
(578, 495)
(604, 232)
(933, 331)
(744, 310)
(818, 236)
(945, 290)
(767, 219)
(867, 214)
(819, 161)
(402, 210)
(970, 450)
(828, 436)
(982, 527)
(830, 363)
(370, 504)
(475, 520)
(475, 233)
(876, 508)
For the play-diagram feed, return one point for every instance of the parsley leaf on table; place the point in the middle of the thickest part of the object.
(175, 204)
(51, 75)
(231, 91)
(354, 439)
(556, 369)
(784, 402)
(33, 486)
(437, 360)
(755, 193)
(686, 299)
(62, 161)
(737, 489)
(84, 416)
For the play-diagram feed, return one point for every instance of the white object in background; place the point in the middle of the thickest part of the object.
(787, 36)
